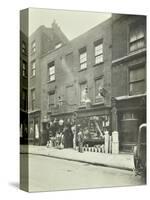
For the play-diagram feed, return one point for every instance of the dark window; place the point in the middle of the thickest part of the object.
(24, 99)
(24, 50)
(24, 69)
(51, 99)
(137, 37)
(137, 81)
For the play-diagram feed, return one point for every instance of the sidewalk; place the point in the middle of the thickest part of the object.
(121, 161)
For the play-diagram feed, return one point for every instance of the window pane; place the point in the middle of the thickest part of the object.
(52, 70)
(83, 65)
(83, 57)
(98, 49)
(99, 59)
(83, 93)
(137, 74)
(137, 87)
(99, 83)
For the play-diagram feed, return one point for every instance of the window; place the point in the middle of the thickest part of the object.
(33, 47)
(51, 71)
(51, 99)
(57, 46)
(70, 94)
(33, 68)
(99, 83)
(33, 99)
(24, 47)
(83, 93)
(24, 69)
(83, 58)
(98, 52)
(137, 37)
(137, 81)
(24, 99)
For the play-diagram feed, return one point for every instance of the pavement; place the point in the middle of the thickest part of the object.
(120, 161)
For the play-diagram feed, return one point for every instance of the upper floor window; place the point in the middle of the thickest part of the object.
(33, 46)
(83, 58)
(33, 68)
(98, 52)
(51, 71)
(33, 99)
(137, 80)
(137, 37)
(83, 93)
(24, 50)
(24, 69)
(99, 84)
(57, 46)
(51, 99)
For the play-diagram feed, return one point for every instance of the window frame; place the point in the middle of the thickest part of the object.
(136, 67)
(50, 105)
(24, 47)
(33, 99)
(24, 69)
(82, 51)
(51, 65)
(33, 46)
(100, 54)
(82, 103)
(101, 98)
(33, 69)
(134, 28)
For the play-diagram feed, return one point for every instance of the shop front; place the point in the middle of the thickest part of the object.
(131, 113)
(34, 128)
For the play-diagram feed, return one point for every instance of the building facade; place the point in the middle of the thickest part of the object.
(129, 77)
(99, 75)
(43, 40)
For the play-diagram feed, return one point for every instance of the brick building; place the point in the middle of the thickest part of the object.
(43, 40)
(23, 85)
(100, 74)
(129, 76)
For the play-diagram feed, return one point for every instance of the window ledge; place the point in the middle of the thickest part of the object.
(51, 81)
(80, 70)
(98, 103)
(98, 64)
(32, 77)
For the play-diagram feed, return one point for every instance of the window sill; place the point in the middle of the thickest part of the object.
(97, 64)
(32, 77)
(80, 70)
(51, 81)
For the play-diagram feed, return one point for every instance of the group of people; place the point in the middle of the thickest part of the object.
(64, 133)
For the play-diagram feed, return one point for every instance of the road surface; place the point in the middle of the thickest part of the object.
(48, 174)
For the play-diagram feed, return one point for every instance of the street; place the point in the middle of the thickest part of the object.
(49, 174)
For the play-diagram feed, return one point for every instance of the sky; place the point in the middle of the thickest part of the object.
(72, 23)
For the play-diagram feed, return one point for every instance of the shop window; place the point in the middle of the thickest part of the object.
(24, 69)
(51, 71)
(99, 83)
(33, 68)
(137, 81)
(83, 93)
(33, 47)
(83, 58)
(98, 52)
(137, 37)
(33, 98)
